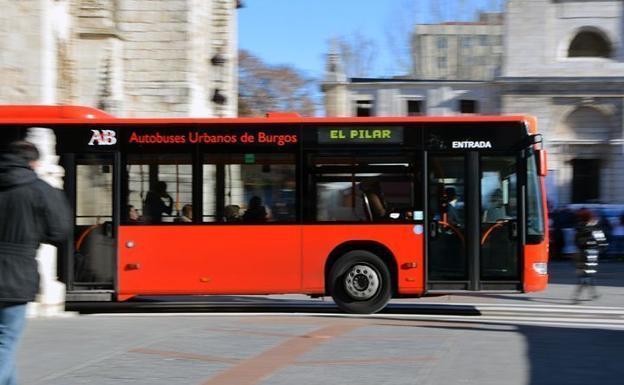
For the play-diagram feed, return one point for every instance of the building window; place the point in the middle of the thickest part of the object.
(587, 122)
(585, 180)
(589, 44)
(483, 40)
(414, 107)
(364, 108)
(467, 106)
(442, 62)
(442, 44)
(466, 41)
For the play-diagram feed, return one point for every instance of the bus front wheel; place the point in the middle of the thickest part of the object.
(359, 282)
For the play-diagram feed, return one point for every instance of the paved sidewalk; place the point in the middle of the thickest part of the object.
(563, 280)
(246, 349)
(274, 349)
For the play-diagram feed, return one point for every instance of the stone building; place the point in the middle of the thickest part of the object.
(132, 58)
(129, 57)
(563, 62)
(459, 50)
(453, 65)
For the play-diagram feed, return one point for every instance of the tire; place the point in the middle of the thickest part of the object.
(360, 282)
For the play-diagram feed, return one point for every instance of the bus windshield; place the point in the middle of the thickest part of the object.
(535, 213)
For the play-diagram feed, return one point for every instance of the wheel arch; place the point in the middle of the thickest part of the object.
(379, 249)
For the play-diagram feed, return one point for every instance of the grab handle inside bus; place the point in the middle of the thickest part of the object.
(433, 229)
(542, 166)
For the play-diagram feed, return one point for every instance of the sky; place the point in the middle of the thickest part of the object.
(297, 32)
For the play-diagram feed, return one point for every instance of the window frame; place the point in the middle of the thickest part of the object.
(220, 186)
(364, 104)
(468, 102)
(421, 104)
(314, 176)
(125, 162)
(594, 33)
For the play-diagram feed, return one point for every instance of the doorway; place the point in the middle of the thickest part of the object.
(92, 258)
(473, 212)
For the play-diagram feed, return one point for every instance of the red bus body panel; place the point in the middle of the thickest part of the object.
(209, 259)
(253, 259)
(401, 240)
(532, 280)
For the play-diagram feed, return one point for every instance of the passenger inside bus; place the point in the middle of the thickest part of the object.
(94, 253)
(157, 202)
(186, 215)
(256, 212)
(231, 213)
(450, 203)
(496, 208)
(375, 206)
(133, 214)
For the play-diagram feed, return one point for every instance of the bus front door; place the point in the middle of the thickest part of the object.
(472, 241)
(91, 258)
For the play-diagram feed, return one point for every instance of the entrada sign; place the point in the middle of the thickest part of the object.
(472, 144)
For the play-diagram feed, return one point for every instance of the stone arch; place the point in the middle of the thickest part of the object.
(590, 42)
(586, 122)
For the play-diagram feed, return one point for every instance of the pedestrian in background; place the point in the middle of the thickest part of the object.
(618, 237)
(556, 237)
(31, 212)
(590, 239)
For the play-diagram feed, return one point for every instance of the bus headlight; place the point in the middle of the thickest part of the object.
(540, 268)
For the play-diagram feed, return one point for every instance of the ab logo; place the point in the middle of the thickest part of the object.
(103, 138)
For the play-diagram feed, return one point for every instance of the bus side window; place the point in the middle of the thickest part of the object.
(257, 187)
(365, 189)
(159, 187)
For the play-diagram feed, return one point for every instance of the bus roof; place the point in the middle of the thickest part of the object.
(46, 114)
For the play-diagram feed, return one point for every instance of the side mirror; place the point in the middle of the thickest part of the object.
(542, 165)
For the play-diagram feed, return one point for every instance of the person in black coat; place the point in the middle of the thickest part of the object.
(256, 212)
(31, 212)
(155, 205)
(590, 240)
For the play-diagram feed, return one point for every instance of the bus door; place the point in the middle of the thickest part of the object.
(473, 209)
(91, 258)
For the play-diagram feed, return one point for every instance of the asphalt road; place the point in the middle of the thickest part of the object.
(540, 338)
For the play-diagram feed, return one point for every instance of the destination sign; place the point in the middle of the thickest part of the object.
(360, 135)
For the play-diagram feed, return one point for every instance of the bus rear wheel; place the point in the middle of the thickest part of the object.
(359, 282)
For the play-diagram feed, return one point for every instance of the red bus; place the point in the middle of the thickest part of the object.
(361, 209)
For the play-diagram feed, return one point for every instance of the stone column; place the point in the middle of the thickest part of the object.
(334, 85)
(51, 299)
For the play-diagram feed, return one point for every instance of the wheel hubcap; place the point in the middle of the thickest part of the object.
(362, 282)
